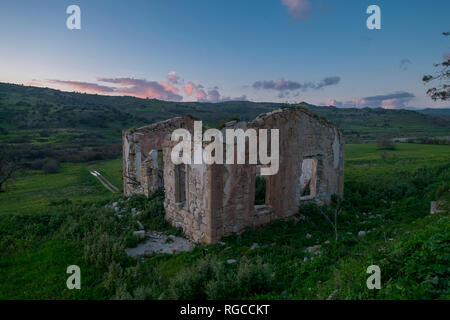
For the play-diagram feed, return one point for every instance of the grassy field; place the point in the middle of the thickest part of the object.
(387, 195)
(35, 191)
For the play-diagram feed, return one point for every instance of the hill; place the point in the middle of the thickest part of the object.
(43, 122)
(441, 111)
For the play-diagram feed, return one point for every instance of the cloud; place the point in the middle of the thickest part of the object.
(144, 89)
(84, 86)
(397, 100)
(171, 89)
(211, 95)
(404, 64)
(286, 86)
(189, 89)
(329, 81)
(447, 56)
(298, 9)
(173, 78)
(279, 84)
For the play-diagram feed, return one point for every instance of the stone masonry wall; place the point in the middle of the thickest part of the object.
(218, 200)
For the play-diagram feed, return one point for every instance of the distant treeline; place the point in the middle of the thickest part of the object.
(427, 140)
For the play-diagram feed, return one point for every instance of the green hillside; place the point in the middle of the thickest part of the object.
(76, 127)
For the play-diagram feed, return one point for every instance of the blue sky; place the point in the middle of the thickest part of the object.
(319, 51)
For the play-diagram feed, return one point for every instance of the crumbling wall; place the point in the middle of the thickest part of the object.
(140, 168)
(302, 136)
(210, 201)
(193, 211)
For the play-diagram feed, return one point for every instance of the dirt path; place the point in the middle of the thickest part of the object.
(105, 182)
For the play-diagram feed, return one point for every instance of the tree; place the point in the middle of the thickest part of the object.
(385, 142)
(442, 76)
(51, 166)
(8, 166)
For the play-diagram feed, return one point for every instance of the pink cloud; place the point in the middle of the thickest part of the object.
(396, 100)
(201, 95)
(189, 88)
(169, 90)
(298, 9)
(144, 89)
(173, 77)
(84, 86)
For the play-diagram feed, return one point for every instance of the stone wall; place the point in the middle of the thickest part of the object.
(218, 200)
(140, 163)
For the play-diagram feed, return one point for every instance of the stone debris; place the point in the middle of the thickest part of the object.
(314, 249)
(254, 246)
(333, 295)
(436, 206)
(156, 243)
(141, 227)
(139, 234)
(231, 261)
(361, 233)
(308, 236)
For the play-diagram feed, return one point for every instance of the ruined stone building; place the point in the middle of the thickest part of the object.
(211, 201)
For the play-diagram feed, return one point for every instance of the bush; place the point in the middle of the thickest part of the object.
(51, 166)
(385, 142)
(38, 164)
(216, 280)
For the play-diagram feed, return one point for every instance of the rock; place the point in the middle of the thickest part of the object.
(308, 236)
(435, 207)
(305, 259)
(133, 211)
(313, 249)
(327, 242)
(139, 234)
(231, 261)
(141, 227)
(223, 244)
(116, 209)
(254, 246)
(156, 243)
(114, 204)
(361, 233)
(333, 295)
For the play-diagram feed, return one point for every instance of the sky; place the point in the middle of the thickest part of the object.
(318, 51)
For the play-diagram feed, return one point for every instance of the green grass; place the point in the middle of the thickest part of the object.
(40, 273)
(35, 191)
(387, 197)
(404, 153)
(111, 170)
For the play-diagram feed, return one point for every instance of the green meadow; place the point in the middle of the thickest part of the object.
(51, 221)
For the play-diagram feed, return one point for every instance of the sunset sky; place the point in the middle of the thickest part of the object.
(318, 51)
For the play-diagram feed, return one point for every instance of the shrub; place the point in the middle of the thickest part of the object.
(385, 142)
(213, 279)
(38, 164)
(51, 166)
